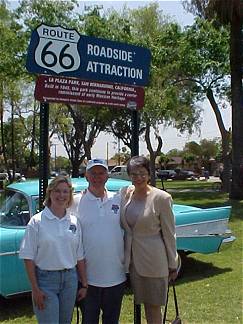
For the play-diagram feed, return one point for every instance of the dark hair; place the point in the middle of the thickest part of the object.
(138, 161)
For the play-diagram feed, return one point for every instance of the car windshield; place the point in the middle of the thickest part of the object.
(14, 209)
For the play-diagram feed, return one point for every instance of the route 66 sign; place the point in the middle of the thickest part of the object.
(56, 50)
(53, 49)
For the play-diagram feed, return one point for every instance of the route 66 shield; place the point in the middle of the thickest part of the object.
(57, 49)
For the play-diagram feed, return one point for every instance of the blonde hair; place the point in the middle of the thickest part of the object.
(52, 186)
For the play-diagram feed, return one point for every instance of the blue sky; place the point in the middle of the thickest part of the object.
(171, 7)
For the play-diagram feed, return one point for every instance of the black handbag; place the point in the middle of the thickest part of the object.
(177, 319)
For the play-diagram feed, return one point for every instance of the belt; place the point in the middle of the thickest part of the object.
(61, 270)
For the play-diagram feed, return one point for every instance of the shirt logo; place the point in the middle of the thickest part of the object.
(115, 208)
(72, 228)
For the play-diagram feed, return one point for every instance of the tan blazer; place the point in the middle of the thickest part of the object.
(152, 240)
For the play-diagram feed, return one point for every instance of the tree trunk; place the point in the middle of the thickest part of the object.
(31, 162)
(3, 138)
(75, 168)
(12, 144)
(226, 157)
(153, 154)
(237, 107)
(225, 136)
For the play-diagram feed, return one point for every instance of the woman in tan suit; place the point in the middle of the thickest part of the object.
(150, 242)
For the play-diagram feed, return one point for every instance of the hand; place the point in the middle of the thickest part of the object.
(82, 292)
(172, 274)
(38, 298)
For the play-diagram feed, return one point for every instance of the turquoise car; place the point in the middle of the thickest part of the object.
(198, 230)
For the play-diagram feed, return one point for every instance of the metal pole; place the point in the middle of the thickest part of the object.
(135, 151)
(137, 313)
(55, 157)
(43, 152)
(107, 153)
(135, 133)
(119, 150)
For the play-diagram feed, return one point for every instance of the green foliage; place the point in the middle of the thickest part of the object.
(230, 15)
(54, 12)
(61, 164)
(164, 159)
(22, 140)
(204, 55)
(224, 11)
(203, 151)
(11, 47)
(174, 152)
(166, 102)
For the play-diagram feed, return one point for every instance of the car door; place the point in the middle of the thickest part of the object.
(14, 213)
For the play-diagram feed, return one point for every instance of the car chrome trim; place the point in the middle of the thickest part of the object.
(229, 239)
(9, 253)
(19, 293)
(226, 243)
(210, 227)
(207, 221)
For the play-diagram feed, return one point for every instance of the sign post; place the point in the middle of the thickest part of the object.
(135, 133)
(43, 152)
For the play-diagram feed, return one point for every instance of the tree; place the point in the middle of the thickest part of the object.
(22, 145)
(164, 159)
(189, 160)
(77, 127)
(61, 163)
(200, 153)
(230, 12)
(122, 157)
(11, 48)
(204, 62)
(121, 126)
(166, 103)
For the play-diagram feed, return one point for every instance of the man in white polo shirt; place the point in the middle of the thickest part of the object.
(99, 213)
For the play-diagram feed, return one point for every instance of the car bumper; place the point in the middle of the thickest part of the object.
(226, 243)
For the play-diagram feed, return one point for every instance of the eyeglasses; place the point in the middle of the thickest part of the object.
(135, 175)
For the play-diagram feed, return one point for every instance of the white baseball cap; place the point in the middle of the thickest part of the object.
(96, 162)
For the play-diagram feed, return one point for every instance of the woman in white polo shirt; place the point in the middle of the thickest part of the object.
(53, 254)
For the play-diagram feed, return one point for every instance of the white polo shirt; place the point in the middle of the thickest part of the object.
(52, 243)
(102, 239)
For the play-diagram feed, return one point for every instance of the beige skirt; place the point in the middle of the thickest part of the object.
(148, 290)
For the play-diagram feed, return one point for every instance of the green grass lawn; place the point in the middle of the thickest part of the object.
(185, 184)
(210, 289)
